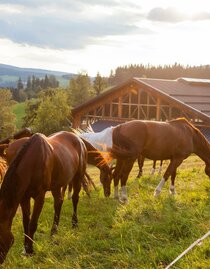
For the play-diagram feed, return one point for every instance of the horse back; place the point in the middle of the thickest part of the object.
(70, 157)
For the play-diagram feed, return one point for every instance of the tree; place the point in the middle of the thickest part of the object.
(99, 84)
(7, 117)
(80, 89)
(19, 84)
(48, 113)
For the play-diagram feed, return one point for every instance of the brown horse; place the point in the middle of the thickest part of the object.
(26, 132)
(174, 140)
(42, 164)
(95, 157)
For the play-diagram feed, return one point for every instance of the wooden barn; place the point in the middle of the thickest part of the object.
(148, 99)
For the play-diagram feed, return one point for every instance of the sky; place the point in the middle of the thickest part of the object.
(100, 35)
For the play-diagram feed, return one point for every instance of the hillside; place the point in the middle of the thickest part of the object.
(10, 74)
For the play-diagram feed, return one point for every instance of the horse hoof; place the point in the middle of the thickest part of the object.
(172, 191)
(54, 230)
(74, 225)
(27, 253)
(123, 200)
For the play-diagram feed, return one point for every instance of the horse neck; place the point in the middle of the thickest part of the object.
(7, 213)
(202, 147)
(95, 158)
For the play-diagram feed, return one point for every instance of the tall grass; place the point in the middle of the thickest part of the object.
(144, 233)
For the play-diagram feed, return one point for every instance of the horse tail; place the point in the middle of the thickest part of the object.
(123, 147)
(82, 164)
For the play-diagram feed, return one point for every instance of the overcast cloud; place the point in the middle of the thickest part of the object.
(76, 25)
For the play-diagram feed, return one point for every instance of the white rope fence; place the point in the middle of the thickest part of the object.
(188, 249)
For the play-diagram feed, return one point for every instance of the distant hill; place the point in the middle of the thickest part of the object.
(10, 74)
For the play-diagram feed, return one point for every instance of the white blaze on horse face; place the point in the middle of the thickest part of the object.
(159, 187)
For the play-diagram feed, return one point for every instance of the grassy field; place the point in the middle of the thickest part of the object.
(146, 232)
(19, 110)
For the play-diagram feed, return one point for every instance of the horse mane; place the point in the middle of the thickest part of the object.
(3, 168)
(8, 189)
(95, 157)
(183, 120)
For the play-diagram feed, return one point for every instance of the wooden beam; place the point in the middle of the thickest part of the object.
(158, 110)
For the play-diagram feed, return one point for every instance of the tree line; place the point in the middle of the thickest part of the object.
(174, 71)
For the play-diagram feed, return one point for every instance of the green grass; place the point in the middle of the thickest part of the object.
(19, 111)
(144, 233)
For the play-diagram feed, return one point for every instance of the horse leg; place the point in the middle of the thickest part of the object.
(140, 160)
(153, 168)
(160, 168)
(25, 206)
(173, 176)
(117, 175)
(75, 199)
(69, 190)
(38, 204)
(174, 163)
(58, 202)
(128, 165)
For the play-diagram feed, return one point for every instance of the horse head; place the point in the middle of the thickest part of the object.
(207, 169)
(105, 179)
(6, 241)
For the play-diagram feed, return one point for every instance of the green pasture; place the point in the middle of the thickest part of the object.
(19, 111)
(146, 232)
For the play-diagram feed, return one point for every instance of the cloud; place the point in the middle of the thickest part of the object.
(166, 15)
(64, 24)
(173, 15)
(201, 16)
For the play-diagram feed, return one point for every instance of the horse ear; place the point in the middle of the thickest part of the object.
(3, 149)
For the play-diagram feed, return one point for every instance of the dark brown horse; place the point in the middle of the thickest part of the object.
(174, 140)
(95, 157)
(26, 132)
(42, 164)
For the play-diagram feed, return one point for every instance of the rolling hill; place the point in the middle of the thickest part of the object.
(10, 74)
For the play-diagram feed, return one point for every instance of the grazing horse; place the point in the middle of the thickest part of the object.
(42, 164)
(103, 142)
(94, 157)
(174, 140)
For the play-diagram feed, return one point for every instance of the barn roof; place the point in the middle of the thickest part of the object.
(190, 91)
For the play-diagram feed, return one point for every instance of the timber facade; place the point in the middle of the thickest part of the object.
(148, 99)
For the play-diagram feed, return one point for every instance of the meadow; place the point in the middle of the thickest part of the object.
(19, 111)
(146, 232)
